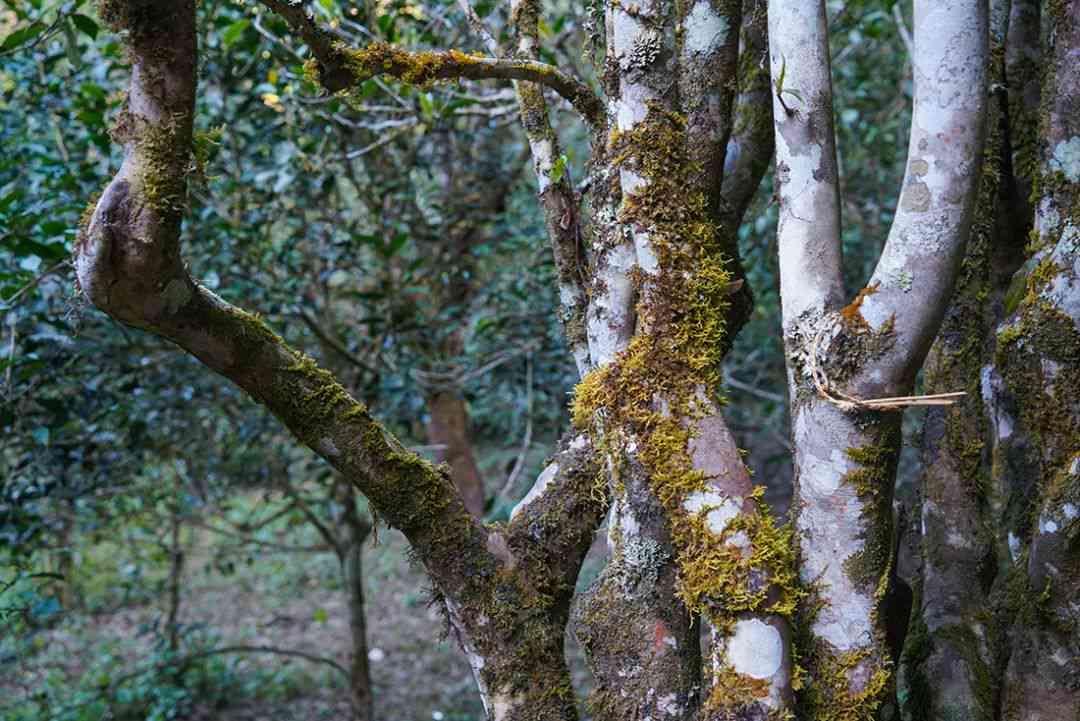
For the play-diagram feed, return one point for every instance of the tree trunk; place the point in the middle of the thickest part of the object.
(355, 530)
(846, 364)
(952, 662)
(1039, 363)
(449, 427)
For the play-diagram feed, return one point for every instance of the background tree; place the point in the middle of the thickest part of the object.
(652, 294)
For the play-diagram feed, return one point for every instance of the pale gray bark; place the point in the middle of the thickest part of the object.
(845, 455)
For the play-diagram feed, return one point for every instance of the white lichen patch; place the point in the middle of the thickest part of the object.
(669, 705)
(705, 29)
(1066, 159)
(755, 649)
(544, 152)
(722, 509)
(824, 475)
(740, 540)
(537, 490)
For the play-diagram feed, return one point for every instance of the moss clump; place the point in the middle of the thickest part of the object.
(668, 379)
(141, 18)
(162, 157)
(416, 68)
(830, 698)
(872, 480)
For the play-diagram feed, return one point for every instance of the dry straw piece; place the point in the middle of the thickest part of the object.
(848, 403)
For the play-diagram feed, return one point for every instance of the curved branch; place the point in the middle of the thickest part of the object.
(750, 147)
(552, 527)
(933, 218)
(340, 67)
(128, 263)
(561, 206)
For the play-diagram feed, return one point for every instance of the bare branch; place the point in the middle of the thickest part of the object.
(526, 442)
(750, 147)
(480, 28)
(902, 28)
(561, 206)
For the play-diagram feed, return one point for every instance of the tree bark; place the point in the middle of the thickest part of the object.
(507, 589)
(448, 427)
(1039, 363)
(952, 661)
(356, 529)
(846, 451)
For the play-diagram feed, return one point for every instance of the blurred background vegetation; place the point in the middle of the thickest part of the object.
(166, 550)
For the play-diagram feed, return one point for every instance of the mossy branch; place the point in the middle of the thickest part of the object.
(340, 67)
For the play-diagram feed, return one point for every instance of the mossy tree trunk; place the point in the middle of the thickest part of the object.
(507, 589)
(952, 662)
(1038, 360)
(997, 635)
(690, 542)
(840, 355)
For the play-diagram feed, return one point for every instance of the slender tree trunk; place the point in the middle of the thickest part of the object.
(448, 427)
(355, 529)
(176, 571)
(840, 356)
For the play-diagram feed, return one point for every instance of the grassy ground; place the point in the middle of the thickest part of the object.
(82, 664)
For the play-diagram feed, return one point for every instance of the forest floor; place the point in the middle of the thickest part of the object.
(286, 601)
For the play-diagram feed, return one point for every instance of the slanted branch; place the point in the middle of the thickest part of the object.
(340, 67)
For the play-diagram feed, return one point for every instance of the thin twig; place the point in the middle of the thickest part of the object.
(754, 390)
(902, 27)
(480, 28)
(11, 302)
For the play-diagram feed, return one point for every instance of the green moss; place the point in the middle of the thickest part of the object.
(830, 698)
(669, 377)
(139, 17)
(914, 693)
(416, 68)
(872, 481)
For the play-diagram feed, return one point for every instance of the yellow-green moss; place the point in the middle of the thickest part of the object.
(417, 68)
(830, 698)
(669, 378)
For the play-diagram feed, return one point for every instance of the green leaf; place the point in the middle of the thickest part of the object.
(320, 615)
(233, 32)
(559, 170)
(22, 35)
(85, 25)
